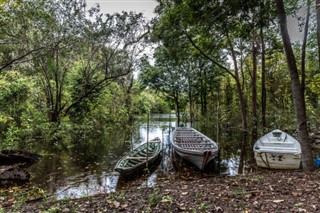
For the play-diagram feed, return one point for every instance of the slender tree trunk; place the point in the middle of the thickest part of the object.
(203, 96)
(218, 117)
(297, 92)
(263, 80)
(190, 102)
(254, 85)
(177, 108)
(304, 47)
(318, 29)
(254, 96)
(239, 88)
(242, 106)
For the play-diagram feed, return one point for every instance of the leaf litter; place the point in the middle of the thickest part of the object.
(262, 191)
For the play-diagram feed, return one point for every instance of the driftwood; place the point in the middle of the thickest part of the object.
(13, 175)
(23, 158)
(13, 164)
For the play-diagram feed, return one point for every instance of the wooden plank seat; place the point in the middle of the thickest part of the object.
(136, 158)
(187, 136)
(135, 162)
(197, 148)
(196, 145)
(193, 142)
(190, 139)
(200, 143)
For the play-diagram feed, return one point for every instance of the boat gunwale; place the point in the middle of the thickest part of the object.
(137, 150)
(195, 150)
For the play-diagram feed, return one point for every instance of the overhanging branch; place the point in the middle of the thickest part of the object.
(207, 56)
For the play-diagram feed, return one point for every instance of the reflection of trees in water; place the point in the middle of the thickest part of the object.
(87, 167)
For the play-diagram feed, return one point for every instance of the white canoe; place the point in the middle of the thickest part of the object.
(194, 146)
(277, 150)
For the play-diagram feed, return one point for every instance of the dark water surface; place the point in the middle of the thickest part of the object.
(88, 168)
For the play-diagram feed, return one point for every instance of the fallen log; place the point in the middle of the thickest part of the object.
(13, 164)
(10, 175)
(23, 158)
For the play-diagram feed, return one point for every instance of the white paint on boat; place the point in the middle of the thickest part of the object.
(194, 146)
(277, 150)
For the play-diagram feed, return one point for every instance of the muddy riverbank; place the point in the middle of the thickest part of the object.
(262, 191)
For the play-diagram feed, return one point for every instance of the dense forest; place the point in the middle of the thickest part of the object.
(67, 70)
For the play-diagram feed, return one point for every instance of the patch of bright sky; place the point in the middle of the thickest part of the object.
(112, 6)
(147, 8)
(139, 6)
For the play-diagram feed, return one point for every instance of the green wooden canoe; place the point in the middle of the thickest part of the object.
(136, 160)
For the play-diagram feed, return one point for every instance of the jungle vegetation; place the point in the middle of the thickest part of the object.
(66, 68)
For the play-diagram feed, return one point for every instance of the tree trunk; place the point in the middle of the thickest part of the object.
(177, 109)
(242, 106)
(318, 29)
(304, 47)
(239, 88)
(297, 92)
(190, 102)
(254, 85)
(263, 80)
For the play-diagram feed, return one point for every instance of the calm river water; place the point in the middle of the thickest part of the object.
(88, 169)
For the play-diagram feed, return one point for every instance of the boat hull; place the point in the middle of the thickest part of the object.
(200, 152)
(199, 160)
(136, 160)
(130, 172)
(278, 160)
(280, 151)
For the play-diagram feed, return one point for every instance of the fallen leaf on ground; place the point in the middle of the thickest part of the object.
(116, 204)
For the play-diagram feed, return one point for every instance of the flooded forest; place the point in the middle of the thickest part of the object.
(81, 89)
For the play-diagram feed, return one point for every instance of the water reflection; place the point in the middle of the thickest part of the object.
(88, 185)
(88, 168)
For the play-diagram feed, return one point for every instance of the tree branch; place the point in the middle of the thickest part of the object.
(19, 58)
(207, 56)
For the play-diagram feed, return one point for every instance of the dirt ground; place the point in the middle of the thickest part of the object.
(262, 191)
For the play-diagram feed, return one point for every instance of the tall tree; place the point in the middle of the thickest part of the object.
(318, 28)
(60, 39)
(166, 77)
(297, 90)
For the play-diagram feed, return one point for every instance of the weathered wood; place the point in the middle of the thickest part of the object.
(12, 175)
(137, 158)
(23, 158)
(12, 164)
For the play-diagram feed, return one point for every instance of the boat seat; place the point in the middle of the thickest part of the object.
(136, 158)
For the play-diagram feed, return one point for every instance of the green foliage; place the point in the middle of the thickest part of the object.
(12, 138)
(53, 209)
(15, 88)
(117, 196)
(154, 197)
(67, 79)
(238, 193)
(167, 199)
(68, 71)
(149, 101)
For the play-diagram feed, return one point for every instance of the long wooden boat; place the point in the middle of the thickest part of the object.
(194, 146)
(277, 150)
(136, 160)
